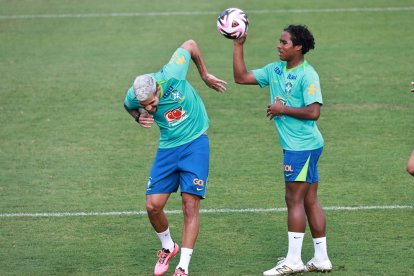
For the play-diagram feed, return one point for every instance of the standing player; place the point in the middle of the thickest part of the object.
(296, 100)
(183, 155)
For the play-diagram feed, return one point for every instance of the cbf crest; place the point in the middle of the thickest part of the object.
(288, 88)
(174, 94)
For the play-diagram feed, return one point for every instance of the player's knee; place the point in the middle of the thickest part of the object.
(293, 200)
(190, 208)
(410, 169)
(153, 208)
(310, 203)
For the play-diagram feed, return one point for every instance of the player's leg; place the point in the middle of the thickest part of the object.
(155, 209)
(295, 193)
(294, 196)
(316, 219)
(191, 207)
(314, 212)
(194, 167)
(317, 224)
(296, 187)
(162, 182)
(191, 226)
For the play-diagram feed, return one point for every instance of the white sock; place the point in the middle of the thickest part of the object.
(185, 259)
(321, 253)
(166, 240)
(294, 254)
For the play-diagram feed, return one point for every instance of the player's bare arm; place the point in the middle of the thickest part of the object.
(209, 79)
(240, 73)
(310, 112)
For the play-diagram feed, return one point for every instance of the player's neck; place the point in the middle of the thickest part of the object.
(295, 62)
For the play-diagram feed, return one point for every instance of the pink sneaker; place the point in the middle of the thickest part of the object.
(180, 272)
(164, 256)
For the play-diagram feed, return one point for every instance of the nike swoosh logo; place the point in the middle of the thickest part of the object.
(319, 242)
(296, 237)
(289, 174)
(199, 189)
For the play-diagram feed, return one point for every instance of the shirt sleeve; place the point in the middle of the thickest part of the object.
(131, 102)
(311, 88)
(178, 65)
(262, 75)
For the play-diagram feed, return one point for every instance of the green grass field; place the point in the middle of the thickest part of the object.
(67, 146)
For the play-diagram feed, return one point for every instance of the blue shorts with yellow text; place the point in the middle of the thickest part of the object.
(185, 166)
(301, 166)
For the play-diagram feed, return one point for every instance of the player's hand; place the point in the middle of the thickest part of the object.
(275, 109)
(215, 83)
(240, 40)
(145, 120)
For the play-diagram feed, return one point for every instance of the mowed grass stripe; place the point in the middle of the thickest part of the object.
(249, 210)
(205, 13)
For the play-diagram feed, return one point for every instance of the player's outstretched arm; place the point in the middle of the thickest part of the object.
(240, 73)
(210, 80)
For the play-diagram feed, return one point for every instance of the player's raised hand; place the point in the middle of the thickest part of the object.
(241, 40)
(215, 83)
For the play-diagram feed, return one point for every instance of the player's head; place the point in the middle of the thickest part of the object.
(146, 92)
(144, 86)
(300, 35)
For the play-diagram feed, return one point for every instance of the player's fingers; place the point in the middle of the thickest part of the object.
(220, 88)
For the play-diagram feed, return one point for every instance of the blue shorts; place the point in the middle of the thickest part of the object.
(186, 166)
(301, 166)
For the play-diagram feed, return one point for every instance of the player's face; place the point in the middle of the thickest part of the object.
(151, 104)
(287, 51)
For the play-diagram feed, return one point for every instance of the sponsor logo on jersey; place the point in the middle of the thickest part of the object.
(175, 116)
(278, 71)
(291, 77)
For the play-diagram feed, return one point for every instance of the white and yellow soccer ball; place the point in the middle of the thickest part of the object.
(232, 23)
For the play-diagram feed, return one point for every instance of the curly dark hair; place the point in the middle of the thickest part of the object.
(301, 35)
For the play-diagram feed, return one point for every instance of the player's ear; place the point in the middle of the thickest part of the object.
(298, 48)
(158, 91)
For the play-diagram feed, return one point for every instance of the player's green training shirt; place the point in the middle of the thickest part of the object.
(181, 114)
(296, 87)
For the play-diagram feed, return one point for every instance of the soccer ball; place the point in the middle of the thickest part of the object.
(232, 23)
